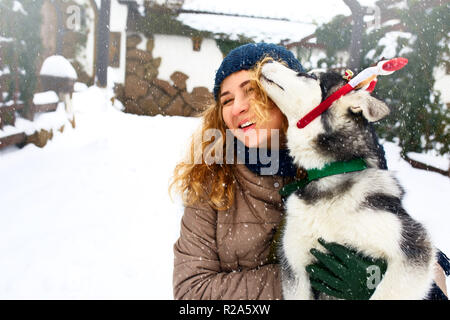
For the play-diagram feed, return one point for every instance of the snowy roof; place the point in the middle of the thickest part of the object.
(258, 29)
(278, 20)
(302, 19)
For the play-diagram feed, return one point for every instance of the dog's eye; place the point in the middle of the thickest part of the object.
(307, 75)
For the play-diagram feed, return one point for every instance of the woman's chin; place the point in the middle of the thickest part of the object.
(253, 139)
(252, 145)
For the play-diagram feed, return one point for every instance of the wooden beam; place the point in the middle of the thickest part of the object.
(304, 43)
(45, 107)
(12, 139)
(103, 43)
(227, 14)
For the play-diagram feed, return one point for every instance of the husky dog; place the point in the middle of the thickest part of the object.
(361, 210)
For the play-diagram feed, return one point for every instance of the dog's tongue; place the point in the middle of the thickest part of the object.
(395, 64)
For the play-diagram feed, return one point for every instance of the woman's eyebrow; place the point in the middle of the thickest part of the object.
(224, 93)
(243, 84)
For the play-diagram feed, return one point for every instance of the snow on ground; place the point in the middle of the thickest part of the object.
(42, 120)
(89, 216)
(432, 158)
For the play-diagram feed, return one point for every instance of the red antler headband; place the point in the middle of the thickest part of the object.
(366, 79)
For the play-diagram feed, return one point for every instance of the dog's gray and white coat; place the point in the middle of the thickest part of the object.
(361, 210)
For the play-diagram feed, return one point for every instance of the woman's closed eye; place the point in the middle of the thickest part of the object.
(227, 101)
(245, 91)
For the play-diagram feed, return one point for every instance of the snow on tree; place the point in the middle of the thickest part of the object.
(420, 32)
(18, 54)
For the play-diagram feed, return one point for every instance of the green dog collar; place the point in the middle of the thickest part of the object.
(329, 169)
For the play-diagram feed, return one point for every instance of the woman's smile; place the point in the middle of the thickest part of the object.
(246, 125)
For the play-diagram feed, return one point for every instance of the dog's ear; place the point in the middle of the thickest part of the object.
(362, 102)
(372, 109)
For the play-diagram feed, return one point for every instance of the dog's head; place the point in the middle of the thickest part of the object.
(343, 132)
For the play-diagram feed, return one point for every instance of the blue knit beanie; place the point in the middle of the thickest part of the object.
(246, 56)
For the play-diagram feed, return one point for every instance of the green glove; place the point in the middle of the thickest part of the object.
(345, 273)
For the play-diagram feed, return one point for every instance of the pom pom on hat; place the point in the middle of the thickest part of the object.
(247, 56)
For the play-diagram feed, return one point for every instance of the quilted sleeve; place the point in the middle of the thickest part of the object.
(197, 273)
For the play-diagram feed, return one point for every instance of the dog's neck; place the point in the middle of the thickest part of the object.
(301, 145)
(332, 169)
(304, 149)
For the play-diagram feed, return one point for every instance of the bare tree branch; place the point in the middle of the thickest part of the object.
(419, 165)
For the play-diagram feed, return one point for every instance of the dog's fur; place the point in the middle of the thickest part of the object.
(361, 210)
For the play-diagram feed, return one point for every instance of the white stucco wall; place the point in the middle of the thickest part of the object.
(118, 23)
(177, 55)
(86, 56)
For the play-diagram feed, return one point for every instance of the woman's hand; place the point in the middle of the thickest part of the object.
(345, 273)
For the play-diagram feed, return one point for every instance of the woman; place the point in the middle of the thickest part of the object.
(232, 210)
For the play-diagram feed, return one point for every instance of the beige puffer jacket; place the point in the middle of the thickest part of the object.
(224, 255)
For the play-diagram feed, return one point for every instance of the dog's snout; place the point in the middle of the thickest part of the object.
(271, 81)
(307, 75)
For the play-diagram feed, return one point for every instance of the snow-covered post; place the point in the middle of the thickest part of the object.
(103, 44)
(58, 74)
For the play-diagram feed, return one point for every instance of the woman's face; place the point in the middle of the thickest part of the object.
(235, 96)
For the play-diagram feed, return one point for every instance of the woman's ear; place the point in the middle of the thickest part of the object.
(371, 108)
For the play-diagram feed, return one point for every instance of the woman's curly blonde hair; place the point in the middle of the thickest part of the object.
(197, 181)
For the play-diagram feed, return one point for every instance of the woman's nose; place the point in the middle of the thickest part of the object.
(240, 105)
